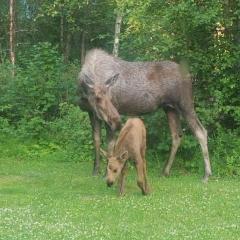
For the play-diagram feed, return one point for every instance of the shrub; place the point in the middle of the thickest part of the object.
(72, 132)
(225, 153)
(41, 83)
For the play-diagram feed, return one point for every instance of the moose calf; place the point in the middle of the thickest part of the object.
(131, 144)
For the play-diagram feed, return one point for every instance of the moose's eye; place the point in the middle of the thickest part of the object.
(115, 170)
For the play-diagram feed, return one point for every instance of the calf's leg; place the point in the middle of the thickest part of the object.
(141, 178)
(146, 186)
(122, 180)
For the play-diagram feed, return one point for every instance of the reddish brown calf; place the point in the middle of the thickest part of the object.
(131, 144)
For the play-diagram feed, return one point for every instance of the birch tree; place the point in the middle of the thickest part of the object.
(117, 32)
(12, 31)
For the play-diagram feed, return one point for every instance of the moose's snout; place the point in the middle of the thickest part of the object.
(113, 117)
(115, 124)
(118, 123)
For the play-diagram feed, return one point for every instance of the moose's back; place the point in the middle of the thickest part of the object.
(141, 87)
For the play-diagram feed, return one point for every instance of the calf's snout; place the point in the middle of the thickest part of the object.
(109, 183)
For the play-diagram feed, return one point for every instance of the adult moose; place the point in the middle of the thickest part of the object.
(109, 85)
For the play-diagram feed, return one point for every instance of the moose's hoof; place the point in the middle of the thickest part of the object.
(95, 172)
(206, 176)
(165, 173)
(205, 179)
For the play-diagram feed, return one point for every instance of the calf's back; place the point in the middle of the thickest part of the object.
(132, 137)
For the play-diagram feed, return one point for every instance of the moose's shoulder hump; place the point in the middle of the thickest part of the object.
(96, 52)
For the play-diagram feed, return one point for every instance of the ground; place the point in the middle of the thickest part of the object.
(61, 200)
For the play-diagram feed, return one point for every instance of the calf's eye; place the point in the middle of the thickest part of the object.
(115, 170)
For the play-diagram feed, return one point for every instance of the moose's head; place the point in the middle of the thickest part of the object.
(99, 98)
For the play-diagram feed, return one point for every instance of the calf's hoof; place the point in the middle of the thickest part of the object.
(145, 193)
(121, 194)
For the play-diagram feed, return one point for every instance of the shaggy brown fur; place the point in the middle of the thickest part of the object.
(135, 88)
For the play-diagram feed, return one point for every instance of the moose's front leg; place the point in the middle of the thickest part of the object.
(96, 132)
(111, 139)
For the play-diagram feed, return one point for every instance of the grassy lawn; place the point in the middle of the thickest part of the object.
(61, 200)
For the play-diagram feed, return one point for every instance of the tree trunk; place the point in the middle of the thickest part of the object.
(117, 33)
(236, 28)
(1, 57)
(62, 31)
(82, 47)
(12, 32)
(237, 39)
(67, 47)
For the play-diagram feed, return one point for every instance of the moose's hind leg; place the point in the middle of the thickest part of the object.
(176, 133)
(201, 134)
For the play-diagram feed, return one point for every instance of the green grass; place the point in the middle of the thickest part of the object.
(61, 200)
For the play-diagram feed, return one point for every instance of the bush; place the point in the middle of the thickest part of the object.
(41, 83)
(5, 127)
(72, 132)
(225, 153)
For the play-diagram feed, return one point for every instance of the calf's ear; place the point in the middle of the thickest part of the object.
(124, 156)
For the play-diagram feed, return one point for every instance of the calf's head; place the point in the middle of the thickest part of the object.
(114, 166)
(100, 100)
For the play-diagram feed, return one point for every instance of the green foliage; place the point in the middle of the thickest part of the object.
(41, 82)
(225, 148)
(17, 147)
(5, 127)
(33, 127)
(72, 132)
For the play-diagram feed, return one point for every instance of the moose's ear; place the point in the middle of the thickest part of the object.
(104, 153)
(111, 80)
(88, 81)
(124, 156)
